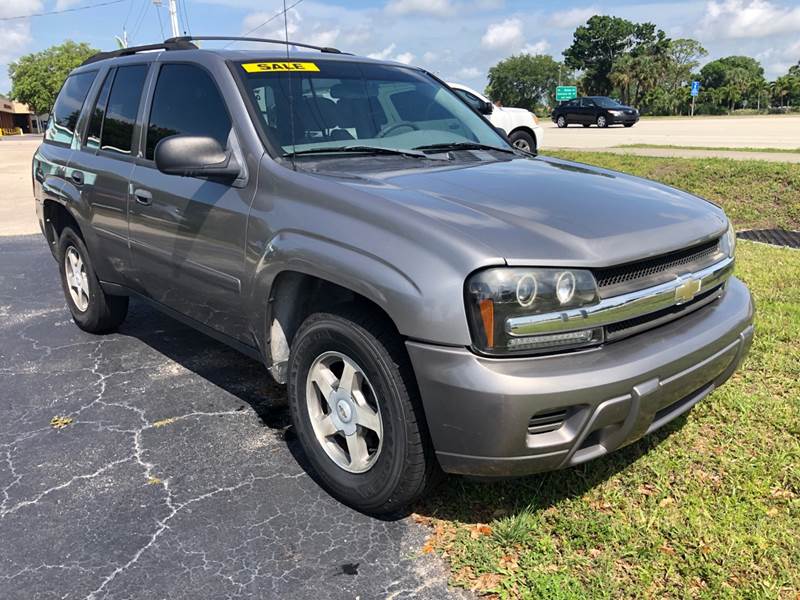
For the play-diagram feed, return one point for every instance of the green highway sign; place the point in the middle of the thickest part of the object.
(566, 92)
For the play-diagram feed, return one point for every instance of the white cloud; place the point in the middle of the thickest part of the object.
(16, 35)
(405, 57)
(469, 73)
(19, 8)
(504, 35)
(62, 4)
(539, 47)
(748, 19)
(383, 54)
(422, 7)
(569, 19)
(388, 54)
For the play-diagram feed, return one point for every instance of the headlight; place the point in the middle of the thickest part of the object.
(495, 295)
(616, 113)
(728, 242)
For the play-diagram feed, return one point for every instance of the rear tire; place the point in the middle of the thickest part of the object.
(561, 122)
(399, 464)
(92, 309)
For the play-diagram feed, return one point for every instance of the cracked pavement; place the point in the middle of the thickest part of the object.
(177, 476)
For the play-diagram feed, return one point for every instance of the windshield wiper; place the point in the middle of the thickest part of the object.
(464, 146)
(358, 150)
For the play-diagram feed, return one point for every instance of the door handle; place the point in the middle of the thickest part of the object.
(77, 177)
(143, 197)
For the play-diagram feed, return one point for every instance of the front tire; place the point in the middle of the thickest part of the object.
(92, 309)
(523, 140)
(602, 122)
(561, 121)
(628, 124)
(357, 413)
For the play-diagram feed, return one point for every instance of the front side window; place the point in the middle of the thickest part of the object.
(123, 106)
(186, 102)
(67, 109)
(313, 106)
(607, 102)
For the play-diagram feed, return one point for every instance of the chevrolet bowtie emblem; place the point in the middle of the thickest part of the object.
(687, 290)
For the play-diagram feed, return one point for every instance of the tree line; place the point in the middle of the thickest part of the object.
(639, 65)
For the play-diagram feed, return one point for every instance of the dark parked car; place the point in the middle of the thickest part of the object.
(594, 110)
(433, 298)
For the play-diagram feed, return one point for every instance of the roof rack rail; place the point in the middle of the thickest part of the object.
(173, 44)
(223, 38)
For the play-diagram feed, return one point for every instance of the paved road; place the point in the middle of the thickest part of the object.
(17, 210)
(727, 132)
(177, 477)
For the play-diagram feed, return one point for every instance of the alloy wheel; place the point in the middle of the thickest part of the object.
(77, 281)
(522, 145)
(344, 412)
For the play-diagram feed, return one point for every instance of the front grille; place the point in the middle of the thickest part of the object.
(622, 329)
(612, 281)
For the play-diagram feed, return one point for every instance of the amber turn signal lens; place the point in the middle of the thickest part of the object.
(487, 316)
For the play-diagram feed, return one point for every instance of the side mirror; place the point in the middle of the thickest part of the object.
(486, 108)
(195, 156)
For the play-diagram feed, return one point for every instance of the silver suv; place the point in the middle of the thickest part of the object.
(434, 298)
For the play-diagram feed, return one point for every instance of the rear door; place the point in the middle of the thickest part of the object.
(588, 111)
(188, 233)
(51, 181)
(104, 163)
(572, 111)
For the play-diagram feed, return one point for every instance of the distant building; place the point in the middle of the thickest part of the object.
(15, 114)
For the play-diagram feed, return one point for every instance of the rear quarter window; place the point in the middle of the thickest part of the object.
(67, 109)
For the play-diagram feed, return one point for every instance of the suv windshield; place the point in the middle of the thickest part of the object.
(306, 107)
(606, 102)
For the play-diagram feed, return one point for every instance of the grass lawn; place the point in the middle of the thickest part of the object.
(726, 148)
(707, 507)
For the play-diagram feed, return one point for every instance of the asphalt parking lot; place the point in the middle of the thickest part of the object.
(174, 475)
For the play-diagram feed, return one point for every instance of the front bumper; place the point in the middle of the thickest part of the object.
(623, 119)
(479, 409)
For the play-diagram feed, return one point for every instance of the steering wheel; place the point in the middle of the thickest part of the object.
(398, 125)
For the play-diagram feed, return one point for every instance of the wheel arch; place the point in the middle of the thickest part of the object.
(294, 296)
(56, 217)
(300, 274)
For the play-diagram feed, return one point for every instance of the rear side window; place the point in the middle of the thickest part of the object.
(99, 113)
(186, 102)
(122, 108)
(67, 108)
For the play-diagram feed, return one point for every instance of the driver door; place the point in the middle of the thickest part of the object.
(188, 233)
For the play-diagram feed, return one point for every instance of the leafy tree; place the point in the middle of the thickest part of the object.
(736, 75)
(37, 78)
(684, 57)
(598, 44)
(526, 80)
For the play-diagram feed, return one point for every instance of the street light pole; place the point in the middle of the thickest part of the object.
(173, 18)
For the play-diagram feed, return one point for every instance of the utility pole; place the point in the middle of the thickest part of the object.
(173, 18)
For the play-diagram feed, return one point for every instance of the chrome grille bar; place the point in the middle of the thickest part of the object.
(625, 306)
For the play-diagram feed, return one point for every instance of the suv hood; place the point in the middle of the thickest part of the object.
(551, 212)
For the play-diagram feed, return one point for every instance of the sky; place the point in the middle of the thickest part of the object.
(457, 39)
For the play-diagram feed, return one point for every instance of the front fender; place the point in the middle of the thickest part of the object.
(417, 310)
